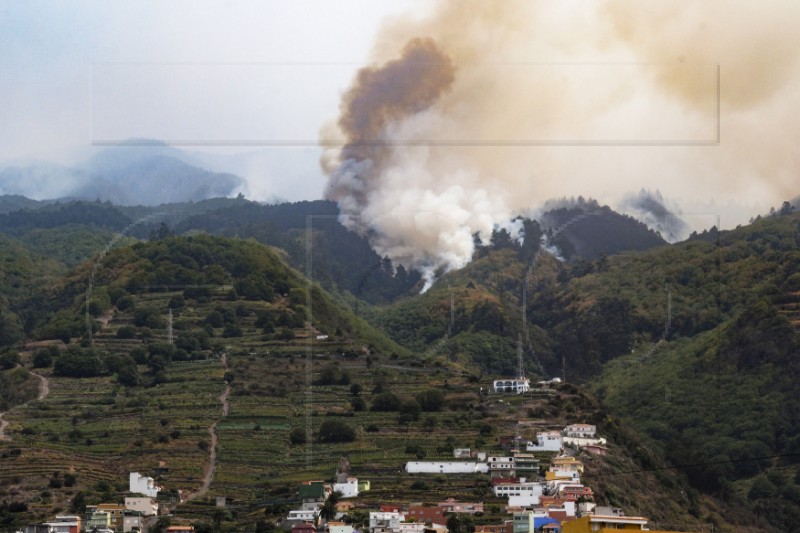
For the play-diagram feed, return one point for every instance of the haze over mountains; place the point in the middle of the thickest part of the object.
(130, 175)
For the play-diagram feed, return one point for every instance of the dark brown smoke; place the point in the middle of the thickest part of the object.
(379, 98)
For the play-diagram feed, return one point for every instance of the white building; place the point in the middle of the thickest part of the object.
(501, 465)
(383, 521)
(146, 506)
(546, 441)
(140, 484)
(566, 507)
(523, 502)
(462, 453)
(530, 490)
(581, 431)
(348, 489)
(303, 515)
(445, 467)
(580, 443)
(410, 527)
(512, 385)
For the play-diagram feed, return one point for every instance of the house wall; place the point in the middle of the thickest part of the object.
(446, 467)
(146, 506)
(129, 522)
(545, 443)
(348, 490)
(423, 514)
(140, 484)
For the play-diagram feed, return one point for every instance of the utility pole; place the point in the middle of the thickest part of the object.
(169, 328)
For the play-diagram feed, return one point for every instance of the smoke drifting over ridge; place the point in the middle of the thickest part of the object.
(484, 110)
(651, 208)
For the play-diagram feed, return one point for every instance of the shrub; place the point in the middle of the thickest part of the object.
(431, 400)
(336, 431)
(297, 436)
(42, 358)
(384, 402)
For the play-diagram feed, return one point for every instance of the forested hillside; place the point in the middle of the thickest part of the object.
(694, 345)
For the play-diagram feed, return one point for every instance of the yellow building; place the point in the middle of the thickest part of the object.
(607, 524)
(568, 464)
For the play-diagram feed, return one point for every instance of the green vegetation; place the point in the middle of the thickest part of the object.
(692, 346)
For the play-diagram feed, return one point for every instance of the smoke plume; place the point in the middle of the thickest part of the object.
(481, 110)
(651, 208)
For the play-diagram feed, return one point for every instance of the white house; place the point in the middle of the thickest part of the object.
(531, 490)
(546, 441)
(523, 502)
(582, 431)
(146, 506)
(567, 507)
(445, 467)
(512, 385)
(382, 521)
(462, 453)
(303, 515)
(411, 527)
(502, 465)
(140, 484)
(349, 489)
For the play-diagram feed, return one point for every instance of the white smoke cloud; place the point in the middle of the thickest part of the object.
(503, 108)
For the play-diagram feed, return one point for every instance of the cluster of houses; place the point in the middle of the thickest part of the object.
(577, 436)
(537, 500)
(312, 495)
(111, 517)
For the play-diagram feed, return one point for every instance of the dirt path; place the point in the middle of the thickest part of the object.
(44, 390)
(212, 431)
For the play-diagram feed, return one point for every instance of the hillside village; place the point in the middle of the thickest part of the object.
(539, 481)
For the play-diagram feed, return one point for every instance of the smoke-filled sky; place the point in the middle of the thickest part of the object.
(464, 113)
(515, 102)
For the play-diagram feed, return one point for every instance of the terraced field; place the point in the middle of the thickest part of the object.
(93, 431)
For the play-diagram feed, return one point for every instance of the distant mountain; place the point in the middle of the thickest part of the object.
(139, 175)
(15, 202)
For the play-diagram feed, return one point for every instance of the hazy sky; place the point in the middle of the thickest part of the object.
(266, 77)
(237, 72)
